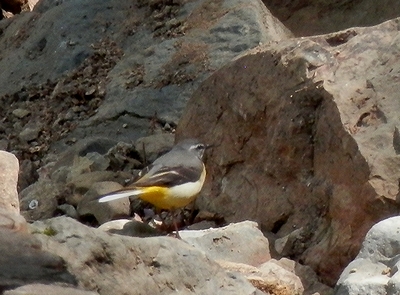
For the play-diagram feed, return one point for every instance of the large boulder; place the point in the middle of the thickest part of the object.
(305, 136)
(314, 17)
(131, 72)
(158, 265)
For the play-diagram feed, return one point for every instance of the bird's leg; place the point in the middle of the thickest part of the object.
(173, 213)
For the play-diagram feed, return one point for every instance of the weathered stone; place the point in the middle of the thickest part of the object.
(21, 113)
(41, 289)
(12, 221)
(374, 271)
(29, 133)
(289, 245)
(13, 6)
(158, 265)
(316, 147)
(315, 17)
(39, 200)
(9, 169)
(99, 162)
(269, 278)
(148, 87)
(153, 146)
(85, 181)
(103, 212)
(231, 243)
(69, 210)
(311, 282)
(281, 277)
(22, 261)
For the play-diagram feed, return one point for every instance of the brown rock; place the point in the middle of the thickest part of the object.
(314, 17)
(305, 137)
(12, 221)
(269, 277)
(13, 6)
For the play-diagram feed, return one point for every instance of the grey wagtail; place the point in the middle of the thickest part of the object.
(172, 181)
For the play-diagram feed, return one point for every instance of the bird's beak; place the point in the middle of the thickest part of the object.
(210, 146)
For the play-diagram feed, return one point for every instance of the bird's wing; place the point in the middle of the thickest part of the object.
(169, 176)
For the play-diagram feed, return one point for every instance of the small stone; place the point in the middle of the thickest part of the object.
(20, 113)
(29, 133)
(69, 210)
(103, 212)
(100, 163)
(39, 200)
(3, 144)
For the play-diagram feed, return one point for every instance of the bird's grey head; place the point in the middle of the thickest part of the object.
(192, 145)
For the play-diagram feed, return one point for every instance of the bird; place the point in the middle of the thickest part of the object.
(172, 181)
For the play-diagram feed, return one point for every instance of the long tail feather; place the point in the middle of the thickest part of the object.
(119, 194)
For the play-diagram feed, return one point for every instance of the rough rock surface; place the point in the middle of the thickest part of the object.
(313, 17)
(130, 74)
(305, 136)
(9, 169)
(231, 243)
(72, 70)
(41, 289)
(151, 265)
(103, 212)
(23, 261)
(375, 270)
(10, 220)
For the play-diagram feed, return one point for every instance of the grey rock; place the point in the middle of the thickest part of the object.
(65, 156)
(286, 246)
(44, 194)
(103, 212)
(21, 113)
(29, 133)
(100, 162)
(3, 144)
(151, 265)
(69, 210)
(231, 243)
(153, 146)
(374, 270)
(42, 289)
(85, 181)
(23, 261)
(168, 50)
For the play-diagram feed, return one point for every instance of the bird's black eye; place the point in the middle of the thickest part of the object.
(200, 147)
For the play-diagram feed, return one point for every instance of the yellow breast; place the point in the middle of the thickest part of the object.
(176, 197)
